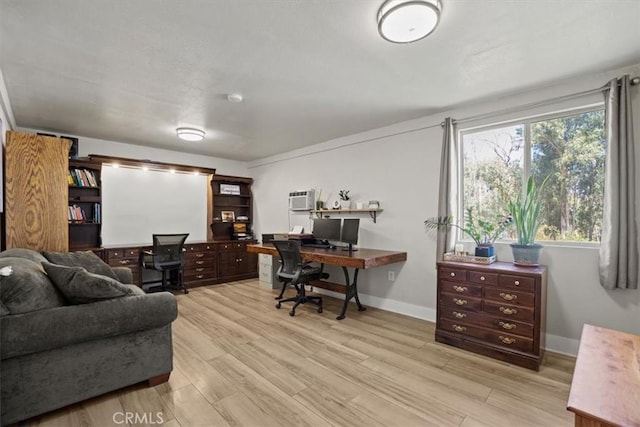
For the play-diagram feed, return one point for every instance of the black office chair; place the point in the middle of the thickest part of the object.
(293, 271)
(167, 257)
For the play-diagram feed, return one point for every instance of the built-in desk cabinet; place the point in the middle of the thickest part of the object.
(201, 264)
(497, 310)
(235, 263)
(125, 257)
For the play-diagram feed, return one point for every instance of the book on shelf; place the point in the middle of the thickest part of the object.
(82, 178)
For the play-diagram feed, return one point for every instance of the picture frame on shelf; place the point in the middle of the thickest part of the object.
(228, 216)
(231, 189)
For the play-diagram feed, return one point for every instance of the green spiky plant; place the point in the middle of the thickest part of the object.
(483, 233)
(525, 211)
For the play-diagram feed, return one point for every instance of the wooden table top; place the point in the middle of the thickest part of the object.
(606, 380)
(362, 258)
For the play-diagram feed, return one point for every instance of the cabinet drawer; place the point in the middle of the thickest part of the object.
(199, 274)
(496, 323)
(508, 311)
(509, 296)
(461, 289)
(463, 302)
(502, 339)
(517, 282)
(199, 247)
(455, 274)
(122, 253)
(232, 246)
(200, 262)
(124, 262)
(483, 278)
(265, 259)
(265, 275)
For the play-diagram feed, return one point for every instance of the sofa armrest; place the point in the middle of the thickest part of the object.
(124, 275)
(43, 330)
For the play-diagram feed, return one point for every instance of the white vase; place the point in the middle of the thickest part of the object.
(345, 204)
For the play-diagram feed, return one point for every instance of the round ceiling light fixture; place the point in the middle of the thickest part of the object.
(235, 97)
(406, 21)
(190, 134)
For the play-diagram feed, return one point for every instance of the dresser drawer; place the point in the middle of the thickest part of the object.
(462, 302)
(199, 247)
(120, 253)
(483, 278)
(502, 339)
(455, 274)
(509, 296)
(461, 289)
(200, 262)
(508, 311)
(232, 246)
(480, 319)
(199, 274)
(517, 282)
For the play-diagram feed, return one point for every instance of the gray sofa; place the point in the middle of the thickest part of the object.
(56, 350)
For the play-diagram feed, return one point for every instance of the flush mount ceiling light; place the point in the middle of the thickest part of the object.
(190, 134)
(235, 97)
(406, 21)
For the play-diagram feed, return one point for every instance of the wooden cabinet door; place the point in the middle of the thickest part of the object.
(36, 192)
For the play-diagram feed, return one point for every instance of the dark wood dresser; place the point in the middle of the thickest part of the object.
(498, 310)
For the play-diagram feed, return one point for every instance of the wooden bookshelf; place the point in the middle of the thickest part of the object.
(85, 204)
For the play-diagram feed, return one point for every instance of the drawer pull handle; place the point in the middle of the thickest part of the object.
(507, 326)
(199, 276)
(507, 340)
(508, 311)
(460, 288)
(453, 274)
(482, 278)
(517, 283)
(459, 315)
(460, 301)
(459, 328)
(199, 262)
(124, 262)
(199, 255)
(199, 269)
(508, 297)
(115, 254)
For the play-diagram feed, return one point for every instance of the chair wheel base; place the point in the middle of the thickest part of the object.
(320, 310)
(292, 313)
(278, 305)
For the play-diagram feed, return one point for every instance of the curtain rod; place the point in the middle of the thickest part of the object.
(634, 81)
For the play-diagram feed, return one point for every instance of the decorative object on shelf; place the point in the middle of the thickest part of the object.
(232, 189)
(359, 205)
(228, 216)
(374, 204)
(525, 211)
(319, 201)
(345, 199)
(484, 233)
(336, 204)
(462, 257)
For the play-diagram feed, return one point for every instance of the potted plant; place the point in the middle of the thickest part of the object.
(484, 233)
(345, 202)
(525, 211)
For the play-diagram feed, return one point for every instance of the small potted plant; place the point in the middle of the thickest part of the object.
(484, 233)
(525, 211)
(345, 199)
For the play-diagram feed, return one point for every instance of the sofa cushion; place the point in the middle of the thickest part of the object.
(23, 253)
(3, 310)
(87, 259)
(80, 287)
(28, 288)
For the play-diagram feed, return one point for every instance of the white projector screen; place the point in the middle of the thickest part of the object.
(138, 203)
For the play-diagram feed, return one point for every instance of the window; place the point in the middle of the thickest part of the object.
(568, 149)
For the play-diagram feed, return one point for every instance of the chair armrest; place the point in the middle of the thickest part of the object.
(124, 274)
(43, 330)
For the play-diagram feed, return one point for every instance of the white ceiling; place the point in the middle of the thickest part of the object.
(309, 70)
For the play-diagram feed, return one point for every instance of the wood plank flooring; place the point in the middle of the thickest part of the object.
(238, 361)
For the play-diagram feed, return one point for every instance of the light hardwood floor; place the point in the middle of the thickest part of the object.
(240, 362)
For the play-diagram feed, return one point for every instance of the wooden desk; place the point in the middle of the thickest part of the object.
(360, 259)
(605, 390)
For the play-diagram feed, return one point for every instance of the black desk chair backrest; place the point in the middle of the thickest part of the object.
(167, 251)
(297, 273)
(167, 257)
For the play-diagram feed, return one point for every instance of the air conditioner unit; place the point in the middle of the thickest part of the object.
(302, 200)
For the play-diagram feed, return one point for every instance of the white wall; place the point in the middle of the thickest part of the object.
(399, 166)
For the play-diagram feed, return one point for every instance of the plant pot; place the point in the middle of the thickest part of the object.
(345, 204)
(526, 255)
(485, 251)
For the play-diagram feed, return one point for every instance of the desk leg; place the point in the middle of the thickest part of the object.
(350, 292)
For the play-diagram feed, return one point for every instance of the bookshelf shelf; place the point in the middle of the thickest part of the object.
(373, 213)
(85, 204)
(240, 204)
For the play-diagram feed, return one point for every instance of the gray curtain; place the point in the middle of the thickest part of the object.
(448, 193)
(619, 246)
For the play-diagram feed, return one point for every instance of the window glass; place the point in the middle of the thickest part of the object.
(567, 149)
